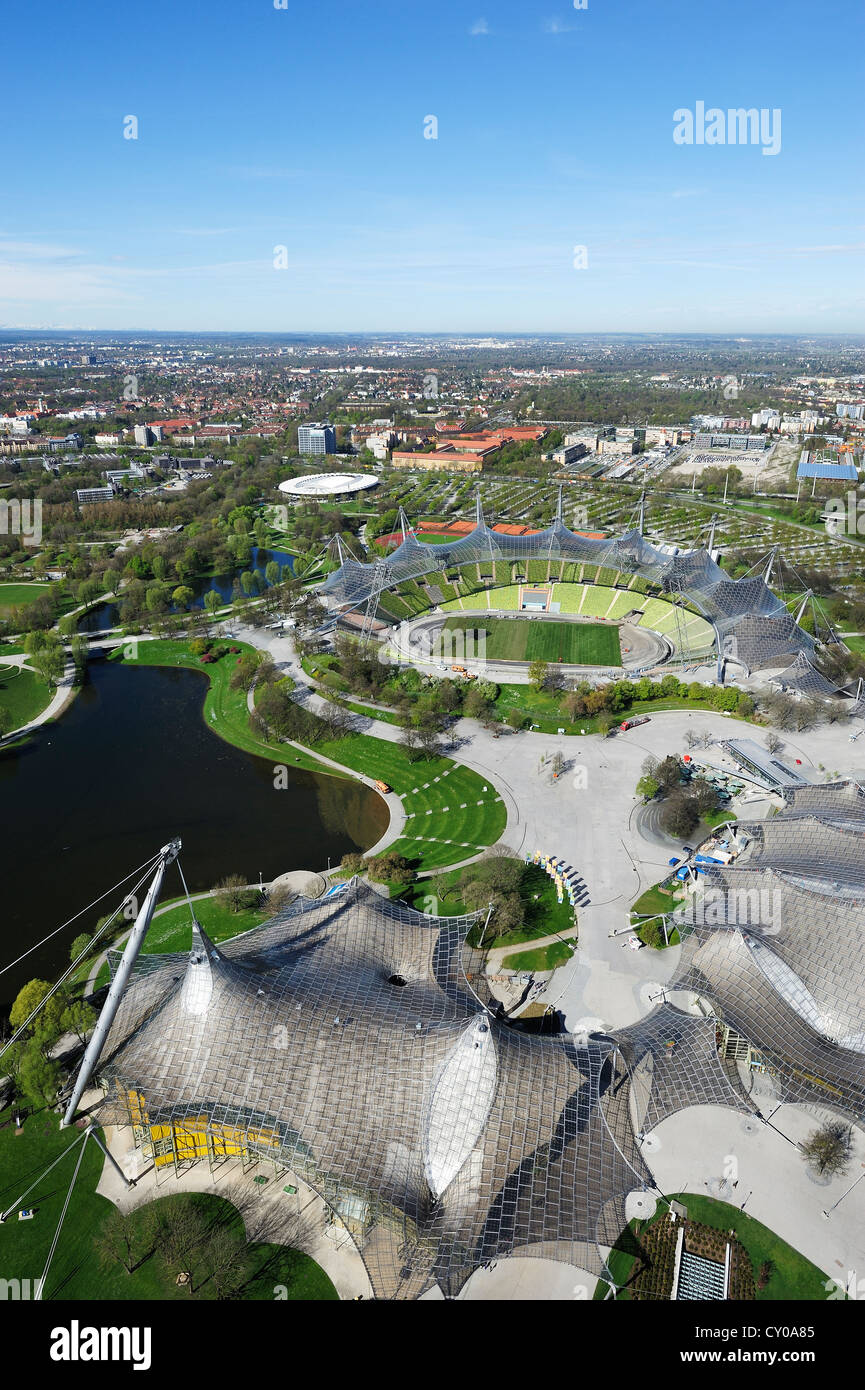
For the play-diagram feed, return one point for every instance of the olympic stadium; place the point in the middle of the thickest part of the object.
(681, 598)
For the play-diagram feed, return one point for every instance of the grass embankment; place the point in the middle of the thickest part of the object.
(75, 1270)
(451, 812)
(793, 1277)
(23, 694)
(543, 958)
(544, 709)
(172, 930)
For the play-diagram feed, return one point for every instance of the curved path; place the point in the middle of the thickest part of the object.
(62, 696)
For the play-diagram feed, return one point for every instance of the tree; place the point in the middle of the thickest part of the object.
(271, 571)
(390, 867)
(28, 998)
(212, 601)
(538, 673)
(48, 663)
(705, 796)
(773, 742)
(828, 1149)
(679, 814)
(39, 1077)
(126, 1238)
(81, 944)
(226, 1260)
(78, 1018)
(233, 888)
(409, 741)
(182, 1231)
(79, 649)
(182, 597)
(648, 786)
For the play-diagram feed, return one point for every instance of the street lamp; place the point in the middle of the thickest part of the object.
(828, 1213)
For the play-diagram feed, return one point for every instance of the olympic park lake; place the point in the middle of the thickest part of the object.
(107, 615)
(129, 766)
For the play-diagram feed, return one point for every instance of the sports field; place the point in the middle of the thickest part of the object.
(530, 639)
(13, 595)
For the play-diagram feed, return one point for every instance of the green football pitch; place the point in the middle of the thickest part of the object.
(530, 639)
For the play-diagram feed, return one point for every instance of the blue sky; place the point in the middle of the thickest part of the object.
(304, 128)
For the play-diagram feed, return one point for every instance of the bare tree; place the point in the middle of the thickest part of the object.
(828, 1149)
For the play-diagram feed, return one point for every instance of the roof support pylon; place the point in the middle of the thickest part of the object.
(167, 855)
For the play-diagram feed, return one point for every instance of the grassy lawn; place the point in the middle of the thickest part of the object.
(23, 694)
(13, 595)
(452, 813)
(793, 1278)
(172, 930)
(75, 1271)
(653, 900)
(543, 958)
(856, 644)
(386, 715)
(544, 709)
(439, 896)
(580, 644)
(651, 929)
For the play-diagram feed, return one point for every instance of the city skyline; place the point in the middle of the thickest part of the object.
(554, 197)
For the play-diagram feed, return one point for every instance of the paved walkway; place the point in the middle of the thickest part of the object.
(63, 695)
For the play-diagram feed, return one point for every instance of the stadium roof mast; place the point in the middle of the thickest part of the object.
(167, 855)
(642, 519)
(382, 578)
(402, 522)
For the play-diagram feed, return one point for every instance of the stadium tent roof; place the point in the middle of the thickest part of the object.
(775, 943)
(753, 624)
(673, 1062)
(344, 1040)
(802, 676)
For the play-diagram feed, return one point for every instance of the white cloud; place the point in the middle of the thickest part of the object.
(557, 26)
(480, 26)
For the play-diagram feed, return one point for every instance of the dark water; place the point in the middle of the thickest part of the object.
(108, 614)
(129, 766)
